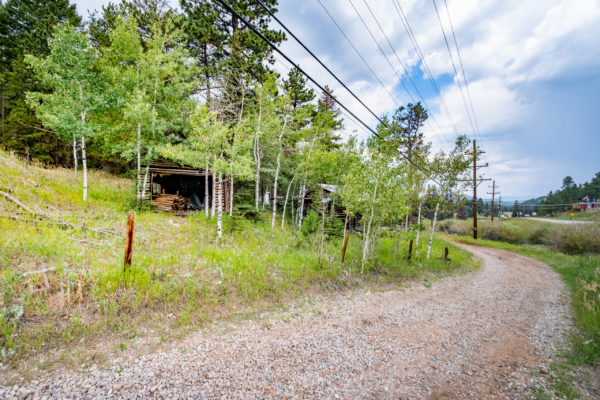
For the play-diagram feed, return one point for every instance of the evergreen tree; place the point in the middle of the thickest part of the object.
(329, 120)
(516, 209)
(25, 27)
(300, 98)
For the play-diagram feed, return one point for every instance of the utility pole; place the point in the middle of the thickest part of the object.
(494, 193)
(474, 190)
(475, 183)
(500, 210)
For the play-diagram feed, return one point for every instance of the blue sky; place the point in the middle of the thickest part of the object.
(533, 70)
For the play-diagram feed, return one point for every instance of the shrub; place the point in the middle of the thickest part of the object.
(576, 239)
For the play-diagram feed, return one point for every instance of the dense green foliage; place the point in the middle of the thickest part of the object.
(569, 193)
(25, 27)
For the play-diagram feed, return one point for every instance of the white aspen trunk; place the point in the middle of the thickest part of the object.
(275, 190)
(257, 153)
(406, 223)
(287, 194)
(302, 195)
(367, 237)
(303, 187)
(84, 165)
(214, 203)
(322, 227)
(418, 229)
(84, 160)
(276, 180)
(257, 189)
(293, 210)
(231, 196)
(75, 155)
(437, 206)
(139, 159)
(220, 207)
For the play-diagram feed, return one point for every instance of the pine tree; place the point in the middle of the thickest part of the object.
(25, 26)
(329, 120)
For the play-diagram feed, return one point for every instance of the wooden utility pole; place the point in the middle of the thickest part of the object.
(474, 189)
(500, 209)
(494, 193)
(476, 181)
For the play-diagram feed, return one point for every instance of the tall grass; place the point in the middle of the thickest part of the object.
(181, 276)
(568, 239)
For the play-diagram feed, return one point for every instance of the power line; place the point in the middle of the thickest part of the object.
(357, 52)
(316, 58)
(455, 70)
(403, 67)
(417, 48)
(462, 70)
(274, 47)
(312, 86)
(388, 60)
(383, 53)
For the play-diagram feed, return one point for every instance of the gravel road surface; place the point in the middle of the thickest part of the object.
(560, 221)
(489, 334)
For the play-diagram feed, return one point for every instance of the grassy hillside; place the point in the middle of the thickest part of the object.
(581, 216)
(65, 286)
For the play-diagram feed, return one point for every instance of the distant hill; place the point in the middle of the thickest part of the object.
(533, 202)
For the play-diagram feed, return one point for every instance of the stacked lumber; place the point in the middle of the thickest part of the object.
(170, 202)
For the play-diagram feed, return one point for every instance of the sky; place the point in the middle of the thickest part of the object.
(532, 72)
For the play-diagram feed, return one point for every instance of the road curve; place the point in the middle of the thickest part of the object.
(489, 334)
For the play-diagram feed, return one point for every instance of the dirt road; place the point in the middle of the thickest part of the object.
(560, 221)
(488, 334)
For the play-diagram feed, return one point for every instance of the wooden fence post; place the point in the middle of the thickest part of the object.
(345, 245)
(410, 247)
(128, 240)
(446, 254)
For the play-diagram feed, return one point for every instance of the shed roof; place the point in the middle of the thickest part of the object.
(165, 167)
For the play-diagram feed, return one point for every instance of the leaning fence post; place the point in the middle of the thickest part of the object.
(446, 254)
(346, 236)
(128, 240)
(410, 246)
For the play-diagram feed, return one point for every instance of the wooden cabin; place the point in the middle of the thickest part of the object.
(182, 189)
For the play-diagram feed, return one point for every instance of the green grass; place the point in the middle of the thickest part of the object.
(581, 273)
(181, 276)
(565, 238)
(579, 216)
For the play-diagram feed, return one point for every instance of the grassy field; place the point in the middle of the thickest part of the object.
(580, 216)
(565, 238)
(181, 277)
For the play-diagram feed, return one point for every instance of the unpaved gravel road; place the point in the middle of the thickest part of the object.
(560, 221)
(488, 334)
